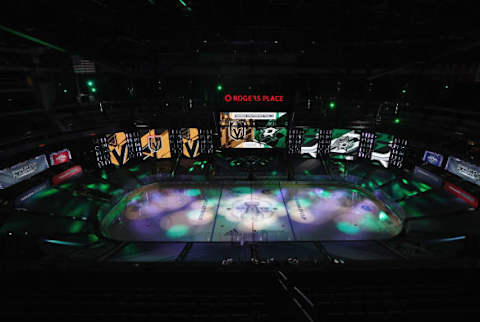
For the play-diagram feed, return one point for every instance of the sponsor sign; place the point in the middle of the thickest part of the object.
(22, 171)
(254, 98)
(462, 194)
(67, 174)
(60, 157)
(433, 158)
(427, 176)
(464, 170)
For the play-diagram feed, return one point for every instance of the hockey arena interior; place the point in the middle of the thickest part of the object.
(310, 170)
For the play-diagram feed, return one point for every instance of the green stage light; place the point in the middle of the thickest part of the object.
(404, 91)
(219, 87)
(396, 121)
(89, 83)
(332, 105)
(93, 89)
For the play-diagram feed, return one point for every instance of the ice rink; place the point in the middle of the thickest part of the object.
(250, 212)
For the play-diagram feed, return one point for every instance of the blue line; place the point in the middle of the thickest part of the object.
(216, 214)
(288, 214)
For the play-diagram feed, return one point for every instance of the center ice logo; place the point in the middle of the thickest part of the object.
(253, 209)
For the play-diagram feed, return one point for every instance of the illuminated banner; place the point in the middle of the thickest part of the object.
(433, 158)
(427, 176)
(65, 175)
(464, 170)
(22, 171)
(117, 145)
(254, 98)
(30, 193)
(123, 147)
(60, 157)
(462, 194)
(309, 145)
(382, 148)
(345, 143)
(190, 142)
(155, 144)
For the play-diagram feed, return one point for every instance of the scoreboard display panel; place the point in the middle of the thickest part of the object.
(253, 129)
(382, 148)
(345, 143)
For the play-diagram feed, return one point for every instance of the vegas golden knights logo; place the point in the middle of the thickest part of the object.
(117, 145)
(236, 129)
(190, 142)
(155, 143)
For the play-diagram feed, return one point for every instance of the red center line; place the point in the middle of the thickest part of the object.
(251, 200)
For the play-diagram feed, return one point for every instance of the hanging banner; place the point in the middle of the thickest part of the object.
(22, 171)
(65, 175)
(60, 157)
(462, 194)
(190, 142)
(464, 170)
(433, 158)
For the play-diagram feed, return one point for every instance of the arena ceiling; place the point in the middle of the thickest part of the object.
(169, 33)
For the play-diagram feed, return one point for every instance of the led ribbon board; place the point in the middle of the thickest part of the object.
(67, 174)
(253, 129)
(462, 194)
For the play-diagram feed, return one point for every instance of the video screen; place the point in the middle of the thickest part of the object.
(155, 143)
(191, 142)
(382, 148)
(345, 143)
(309, 148)
(253, 129)
(117, 148)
